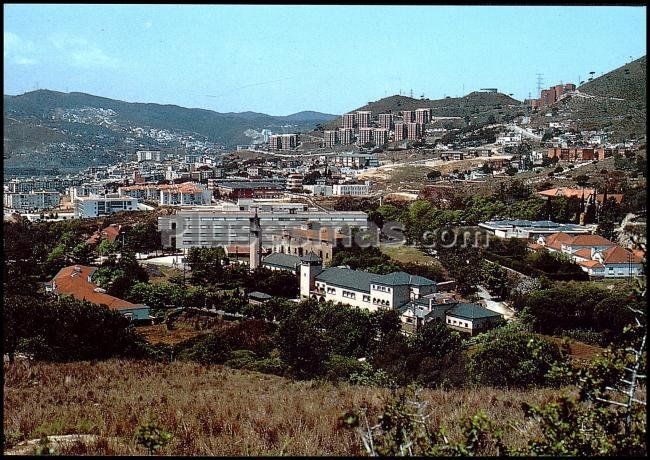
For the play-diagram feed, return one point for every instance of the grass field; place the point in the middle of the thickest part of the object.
(408, 254)
(212, 410)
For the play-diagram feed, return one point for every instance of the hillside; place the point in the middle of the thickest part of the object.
(627, 82)
(212, 410)
(45, 123)
(475, 104)
(614, 102)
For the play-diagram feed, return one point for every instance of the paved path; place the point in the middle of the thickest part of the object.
(499, 307)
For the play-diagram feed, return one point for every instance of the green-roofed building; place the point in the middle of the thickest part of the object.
(359, 288)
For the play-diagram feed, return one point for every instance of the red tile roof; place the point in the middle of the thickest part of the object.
(591, 264)
(555, 240)
(585, 253)
(589, 240)
(75, 282)
(618, 255)
(578, 193)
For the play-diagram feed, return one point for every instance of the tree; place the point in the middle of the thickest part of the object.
(582, 180)
(83, 331)
(510, 358)
(205, 264)
(301, 342)
(511, 171)
(434, 175)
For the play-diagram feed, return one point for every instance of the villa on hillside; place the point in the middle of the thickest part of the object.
(597, 256)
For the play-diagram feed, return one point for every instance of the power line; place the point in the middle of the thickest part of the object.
(540, 82)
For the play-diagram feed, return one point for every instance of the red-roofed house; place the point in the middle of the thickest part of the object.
(76, 280)
(596, 255)
(587, 193)
(110, 233)
(619, 262)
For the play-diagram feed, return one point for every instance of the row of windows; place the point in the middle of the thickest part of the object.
(380, 301)
(457, 323)
(377, 287)
(349, 295)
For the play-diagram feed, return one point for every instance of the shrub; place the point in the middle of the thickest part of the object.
(508, 358)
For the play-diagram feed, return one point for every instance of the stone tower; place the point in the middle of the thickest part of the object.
(255, 238)
(310, 266)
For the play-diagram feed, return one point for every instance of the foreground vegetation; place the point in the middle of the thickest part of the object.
(212, 410)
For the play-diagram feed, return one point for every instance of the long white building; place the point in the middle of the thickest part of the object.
(216, 227)
(105, 205)
(32, 201)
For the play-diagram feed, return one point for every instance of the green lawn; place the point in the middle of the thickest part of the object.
(408, 254)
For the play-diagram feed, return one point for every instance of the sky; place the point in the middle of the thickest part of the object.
(280, 59)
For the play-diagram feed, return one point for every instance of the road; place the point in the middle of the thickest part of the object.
(524, 133)
(499, 307)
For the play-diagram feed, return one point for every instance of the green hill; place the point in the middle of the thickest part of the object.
(627, 82)
(224, 128)
(614, 102)
(475, 104)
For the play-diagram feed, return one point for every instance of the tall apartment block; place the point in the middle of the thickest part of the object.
(289, 141)
(407, 115)
(422, 116)
(552, 94)
(363, 118)
(275, 142)
(346, 135)
(349, 121)
(386, 120)
(413, 131)
(400, 131)
(380, 136)
(365, 136)
(330, 138)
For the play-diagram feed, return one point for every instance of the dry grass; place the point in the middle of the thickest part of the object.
(212, 410)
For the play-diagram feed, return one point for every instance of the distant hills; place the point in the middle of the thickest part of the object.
(614, 102)
(477, 105)
(225, 128)
(70, 131)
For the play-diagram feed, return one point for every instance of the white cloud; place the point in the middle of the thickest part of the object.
(81, 53)
(17, 50)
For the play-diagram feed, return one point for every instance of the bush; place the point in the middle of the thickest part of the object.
(339, 367)
(508, 358)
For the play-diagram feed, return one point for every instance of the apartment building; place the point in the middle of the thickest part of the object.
(349, 121)
(380, 136)
(363, 118)
(208, 228)
(149, 155)
(583, 153)
(294, 181)
(408, 116)
(346, 136)
(330, 138)
(185, 194)
(400, 131)
(422, 116)
(365, 136)
(386, 120)
(275, 142)
(289, 141)
(351, 189)
(32, 201)
(413, 131)
(105, 205)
